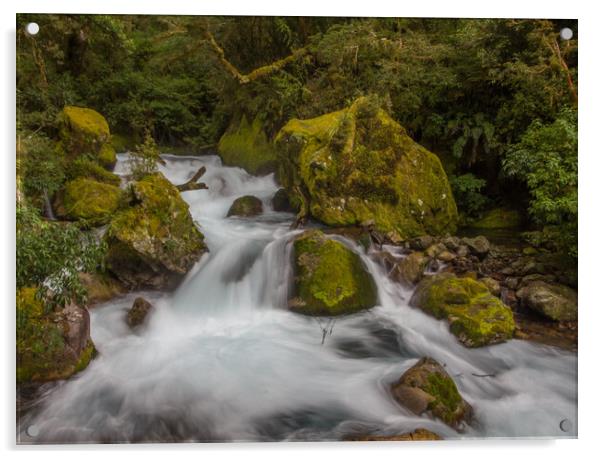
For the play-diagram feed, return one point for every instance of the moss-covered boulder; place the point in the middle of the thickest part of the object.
(83, 167)
(426, 388)
(358, 164)
(100, 287)
(280, 201)
(499, 218)
(153, 242)
(555, 301)
(475, 316)
(88, 201)
(246, 206)
(51, 345)
(247, 145)
(330, 279)
(107, 157)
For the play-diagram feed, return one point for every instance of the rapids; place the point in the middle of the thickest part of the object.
(221, 359)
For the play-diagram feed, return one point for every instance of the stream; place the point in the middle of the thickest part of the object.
(222, 359)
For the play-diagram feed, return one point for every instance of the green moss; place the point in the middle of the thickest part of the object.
(91, 201)
(246, 206)
(247, 145)
(83, 167)
(476, 317)
(356, 165)
(122, 143)
(499, 218)
(329, 278)
(82, 130)
(107, 156)
(155, 233)
(447, 398)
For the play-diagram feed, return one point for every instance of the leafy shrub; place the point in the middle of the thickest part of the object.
(145, 157)
(467, 192)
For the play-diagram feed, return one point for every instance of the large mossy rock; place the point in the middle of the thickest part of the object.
(555, 301)
(84, 131)
(88, 201)
(51, 345)
(426, 388)
(83, 167)
(247, 145)
(246, 206)
(154, 242)
(476, 317)
(330, 279)
(357, 165)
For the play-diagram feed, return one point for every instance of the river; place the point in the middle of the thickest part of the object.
(222, 359)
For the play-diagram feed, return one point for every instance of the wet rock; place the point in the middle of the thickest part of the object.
(246, 206)
(51, 345)
(555, 301)
(100, 287)
(452, 243)
(462, 251)
(479, 245)
(426, 388)
(476, 317)
(421, 242)
(492, 285)
(410, 269)
(512, 282)
(330, 279)
(435, 250)
(446, 256)
(416, 435)
(153, 242)
(280, 202)
(138, 312)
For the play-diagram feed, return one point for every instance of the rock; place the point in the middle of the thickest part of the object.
(247, 145)
(476, 317)
(492, 285)
(51, 345)
(153, 242)
(512, 282)
(462, 251)
(100, 287)
(246, 206)
(394, 238)
(138, 312)
(86, 168)
(88, 200)
(435, 250)
(452, 243)
(446, 256)
(416, 435)
(107, 157)
(422, 242)
(387, 177)
(410, 269)
(555, 301)
(499, 218)
(478, 245)
(281, 203)
(530, 251)
(549, 278)
(426, 388)
(330, 279)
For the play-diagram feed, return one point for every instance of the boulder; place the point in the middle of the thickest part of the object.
(100, 287)
(493, 285)
(416, 435)
(410, 269)
(330, 279)
(153, 242)
(88, 201)
(476, 317)
(478, 246)
(358, 164)
(247, 145)
(426, 388)
(83, 130)
(86, 168)
(138, 312)
(422, 242)
(246, 206)
(51, 345)
(555, 301)
(280, 201)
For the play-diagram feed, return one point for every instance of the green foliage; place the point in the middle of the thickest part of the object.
(467, 191)
(50, 255)
(144, 158)
(546, 159)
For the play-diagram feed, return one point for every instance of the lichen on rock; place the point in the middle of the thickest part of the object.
(358, 164)
(153, 242)
(51, 345)
(476, 317)
(330, 279)
(426, 388)
(247, 145)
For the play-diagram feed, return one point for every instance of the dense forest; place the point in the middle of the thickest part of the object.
(495, 101)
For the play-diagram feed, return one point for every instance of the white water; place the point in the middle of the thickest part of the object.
(222, 359)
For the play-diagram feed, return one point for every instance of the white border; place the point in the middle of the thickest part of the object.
(590, 172)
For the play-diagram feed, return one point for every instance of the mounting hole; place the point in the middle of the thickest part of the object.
(566, 425)
(33, 430)
(32, 28)
(566, 33)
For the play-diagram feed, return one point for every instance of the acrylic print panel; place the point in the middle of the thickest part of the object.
(295, 229)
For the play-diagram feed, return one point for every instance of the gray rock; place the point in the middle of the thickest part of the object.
(555, 301)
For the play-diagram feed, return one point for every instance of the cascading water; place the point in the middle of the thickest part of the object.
(222, 359)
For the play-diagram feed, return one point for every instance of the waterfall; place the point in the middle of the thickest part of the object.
(222, 359)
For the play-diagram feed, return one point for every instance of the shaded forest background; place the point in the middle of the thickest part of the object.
(495, 99)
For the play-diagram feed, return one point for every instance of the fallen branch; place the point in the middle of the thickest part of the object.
(192, 184)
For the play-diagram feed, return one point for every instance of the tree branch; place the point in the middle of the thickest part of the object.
(191, 184)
